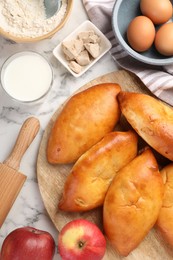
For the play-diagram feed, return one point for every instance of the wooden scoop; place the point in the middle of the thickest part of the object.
(11, 181)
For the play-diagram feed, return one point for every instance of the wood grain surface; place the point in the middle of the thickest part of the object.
(11, 180)
(51, 180)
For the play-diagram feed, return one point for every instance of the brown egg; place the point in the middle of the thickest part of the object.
(159, 11)
(164, 39)
(141, 33)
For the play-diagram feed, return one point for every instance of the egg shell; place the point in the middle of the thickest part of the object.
(159, 11)
(141, 33)
(164, 39)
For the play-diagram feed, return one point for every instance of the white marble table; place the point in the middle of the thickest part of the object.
(28, 209)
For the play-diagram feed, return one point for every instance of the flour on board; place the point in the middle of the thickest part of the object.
(27, 18)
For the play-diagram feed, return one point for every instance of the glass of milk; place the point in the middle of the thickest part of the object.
(26, 76)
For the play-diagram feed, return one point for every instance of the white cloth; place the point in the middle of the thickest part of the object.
(158, 80)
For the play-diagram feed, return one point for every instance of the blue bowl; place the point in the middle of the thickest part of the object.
(123, 12)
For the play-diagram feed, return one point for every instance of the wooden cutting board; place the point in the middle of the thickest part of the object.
(51, 181)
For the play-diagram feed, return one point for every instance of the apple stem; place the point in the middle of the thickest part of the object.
(81, 244)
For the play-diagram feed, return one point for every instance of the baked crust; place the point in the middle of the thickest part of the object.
(151, 119)
(83, 121)
(90, 177)
(165, 219)
(132, 203)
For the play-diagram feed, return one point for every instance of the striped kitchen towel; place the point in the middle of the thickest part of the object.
(159, 80)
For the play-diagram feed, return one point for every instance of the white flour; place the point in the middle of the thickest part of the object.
(27, 18)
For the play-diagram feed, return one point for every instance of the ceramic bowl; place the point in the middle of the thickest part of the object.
(17, 39)
(105, 46)
(123, 12)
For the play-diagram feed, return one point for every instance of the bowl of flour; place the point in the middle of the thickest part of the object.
(26, 21)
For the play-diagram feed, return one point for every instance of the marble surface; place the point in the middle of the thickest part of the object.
(28, 209)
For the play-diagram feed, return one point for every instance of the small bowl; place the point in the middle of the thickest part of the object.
(123, 12)
(26, 77)
(18, 39)
(105, 46)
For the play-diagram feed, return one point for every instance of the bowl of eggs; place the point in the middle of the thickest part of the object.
(144, 28)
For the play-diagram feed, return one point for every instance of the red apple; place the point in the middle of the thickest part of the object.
(81, 239)
(28, 243)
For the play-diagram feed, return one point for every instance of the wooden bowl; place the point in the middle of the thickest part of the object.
(42, 37)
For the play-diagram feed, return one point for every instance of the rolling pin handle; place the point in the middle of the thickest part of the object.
(26, 135)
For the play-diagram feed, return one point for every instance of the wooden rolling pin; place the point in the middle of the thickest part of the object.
(11, 180)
